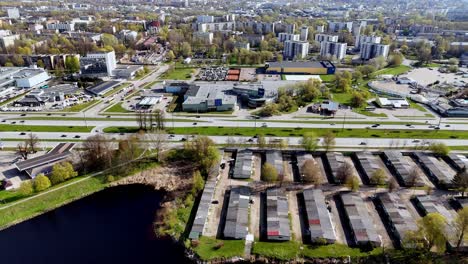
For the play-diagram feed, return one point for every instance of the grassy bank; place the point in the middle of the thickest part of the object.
(116, 89)
(28, 128)
(81, 107)
(117, 108)
(178, 74)
(211, 248)
(298, 132)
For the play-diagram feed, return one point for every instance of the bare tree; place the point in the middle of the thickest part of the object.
(157, 141)
(22, 150)
(392, 185)
(97, 152)
(311, 172)
(139, 119)
(32, 142)
(159, 119)
(344, 172)
(414, 176)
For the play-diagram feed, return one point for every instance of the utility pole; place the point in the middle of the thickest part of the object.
(84, 116)
(344, 120)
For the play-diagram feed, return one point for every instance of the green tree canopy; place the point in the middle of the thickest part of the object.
(269, 173)
(41, 182)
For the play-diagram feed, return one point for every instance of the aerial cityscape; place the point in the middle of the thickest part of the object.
(206, 131)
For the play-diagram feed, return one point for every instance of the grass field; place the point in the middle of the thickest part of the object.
(392, 70)
(49, 201)
(207, 249)
(81, 107)
(117, 108)
(298, 132)
(327, 78)
(178, 74)
(368, 113)
(116, 89)
(27, 128)
(417, 106)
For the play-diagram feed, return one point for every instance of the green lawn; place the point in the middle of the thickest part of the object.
(178, 74)
(417, 106)
(298, 132)
(49, 201)
(28, 128)
(117, 108)
(327, 78)
(362, 111)
(116, 89)
(13, 99)
(277, 250)
(392, 70)
(81, 107)
(342, 98)
(206, 250)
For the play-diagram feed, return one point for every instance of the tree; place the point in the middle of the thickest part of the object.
(311, 172)
(72, 64)
(198, 182)
(329, 141)
(186, 49)
(460, 181)
(97, 153)
(261, 141)
(61, 172)
(357, 99)
(353, 183)
(461, 225)
(366, 70)
(344, 172)
(170, 56)
(378, 177)
(439, 148)
(414, 176)
(22, 150)
(269, 173)
(395, 60)
(41, 182)
(309, 141)
(203, 151)
(32, 142)
(157, 140)
(392, 185)
(378, 62)
(424, 54)
(26, 188)
(453, 61)
(432, 228)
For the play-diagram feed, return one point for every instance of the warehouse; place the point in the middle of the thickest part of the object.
(395, 160)
(367, 164)
(459, 161)
(275, 158)
(300, 67)
(127, 71)
(30, 78)
(237, 216)
(392, 102)
(440, 175)
(362, 230)
(319, 221)
(277, 215)
(427, 204)
(397, 216)
(102, 88)
(335, 161)
(208, 98)
(243, 165)
(199, 222)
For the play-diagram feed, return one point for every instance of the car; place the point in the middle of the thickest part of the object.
(332, 124)
(13, 122)
(363, 143)
(215, 202)
(197, 116)
(183, 139)
(377, 124)
(122, 133)
(447, 125)
(64, 114)
(416, 141)
(108, 116)
(77, 136)
(194, 124)
(264, 125)
(431, 126)
(437, 128)
(374, 126)
(250, 140)
(63, 135)
(23, 114)
(3, 121)
(22, 133)
(22, 121)
(171, 136)
(408, 125)
(49, 114)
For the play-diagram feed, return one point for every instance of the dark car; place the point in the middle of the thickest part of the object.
(3, 121)
(374, 125)
(183, 139)
(194, 124)
(77, 136)
(22, 133)
(23, 114)
(63, 135)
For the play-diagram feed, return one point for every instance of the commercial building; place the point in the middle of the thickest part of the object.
(208, 98)
(427, 204)
(127, 71)
(148, 102)
(199, 223)
(254, 94)
(392, 102)
(449, 108)
(30, 77)
(57, 93)
(203, 37)
(402, 168)
(237, 215)
(282, 37)
(13, 13)
(177, 87)
(371, 50)
(295, 49)
(7, 39)
(300, 67)
(102, 88)
(362, 228)
(396, 215)
(334, 161)
(304, 33)
(44, 163)
(318, 217)
(275, 158)
(436, 172)
(277, 211)
(243, 165)
(333, 49)
(98, 64)
(326, 37)
(367, 163)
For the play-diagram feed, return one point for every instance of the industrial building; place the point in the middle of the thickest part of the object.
(459, 161)
(427, 204)
(177, 87)
(402, 168)
(335, 160)
(275, 158)
(237, 215)
(201, 216)
(22, 77)
(436, 172)
(449, 108)
(243, 165)
(300, 67)
(319, 221)
(127, 71)
(363, 229)
(205, 98)
(277, 211)
(333, 49)
(254, 94)
(44, 163)
(367, 164)
(98, 64)
(102, 88)
(396, 215)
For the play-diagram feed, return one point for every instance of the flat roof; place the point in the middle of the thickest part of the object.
(432, 166)
(275, 158)
(459, 160)
(102, 87)
(237, 213)
(243, 165)
(277, 215)
(318, 216)
(368, 162)
(335, 160)
(295, 64)
(199, 222)
(59, 152)
(401, 166)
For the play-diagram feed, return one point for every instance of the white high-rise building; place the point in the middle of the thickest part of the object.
(325, 37)
(294, 49)
(282, 37)
(337, 50)
(205, 37)
(339, 26)
(13, 13)
(99, 63)
(320, 29)
(304, 33)
(205, 19)
(373, 50)
(366, 39)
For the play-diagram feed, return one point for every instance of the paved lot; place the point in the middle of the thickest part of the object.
(425, 76)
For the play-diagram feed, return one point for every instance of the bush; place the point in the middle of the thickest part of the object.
(269, 173)
(439, 149)
(41, 182)
(110, 178)
(26, 188)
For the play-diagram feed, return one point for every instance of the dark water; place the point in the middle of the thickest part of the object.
(112, 226)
